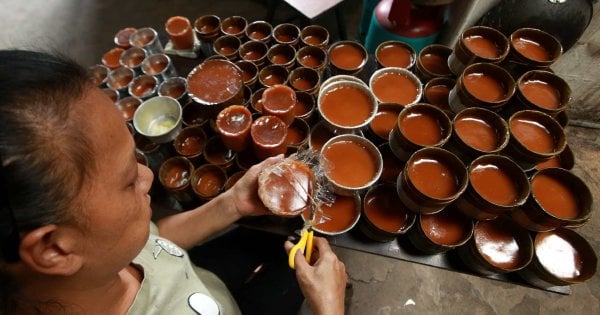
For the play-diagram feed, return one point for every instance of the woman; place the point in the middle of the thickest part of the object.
(75, 230)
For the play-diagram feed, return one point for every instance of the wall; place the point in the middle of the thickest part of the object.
(580, 67)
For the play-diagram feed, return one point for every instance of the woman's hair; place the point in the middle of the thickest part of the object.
(44, 154)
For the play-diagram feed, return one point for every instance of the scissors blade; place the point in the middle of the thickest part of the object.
(311, 210)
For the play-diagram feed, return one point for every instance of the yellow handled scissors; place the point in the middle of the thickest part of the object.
(306, 239)
(305, 243)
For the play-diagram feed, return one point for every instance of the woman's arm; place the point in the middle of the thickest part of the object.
(189, 228)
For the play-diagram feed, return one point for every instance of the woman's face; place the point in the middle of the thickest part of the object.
(115, 201)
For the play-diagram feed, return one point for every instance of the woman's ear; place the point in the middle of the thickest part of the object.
(48, 251)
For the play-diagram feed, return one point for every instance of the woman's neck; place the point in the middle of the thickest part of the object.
(72, 296)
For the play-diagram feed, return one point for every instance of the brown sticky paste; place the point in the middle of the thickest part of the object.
(257, 35)
(395, 88)
(302, 84)
(180, 32)
(128, 107)
(313, 40)
(252, 55)
(445, 227)
(351, 164)
(347, 57)
(279, 100)
(280, 59)
(176, 176)
(494, 184)
(98, 75)
(124, 35)
(393, 55)
(484, 87)
(541, 93)
(227, 50)
(558, 255)
(215, 82)
(284, 38)
(482, 46)
(233, 120)
(157, 65)
(310, 61)
(383, 122)
(141, 89)
(246, 76)
(273, 79)
(433, 178)
(476, 133)
(532, 135)
(383, 208)
(267, 131)
(531, 49)
(141, 41)
(208, 28)
(421, 128)
(233, 179)
(497, 245)
(191, 145)
(346, 106)
(114, 96)
(435, 64)
(134, 60)
(552, 162)
(175, 91)
(123, 81)
(232, 29)
(111, 58)
(210, 183)
(342, 213)
(295, 135)
(438, 95)
(217, 153)
(555, 196)
(301, 108)
(285, 188)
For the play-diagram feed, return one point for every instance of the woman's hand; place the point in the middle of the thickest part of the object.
(244, 193)
(323, 283)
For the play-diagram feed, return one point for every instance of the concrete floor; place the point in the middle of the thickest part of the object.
(381, 285)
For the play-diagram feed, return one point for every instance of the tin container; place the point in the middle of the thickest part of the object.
(158, 119)
(431, 179)
(558, 198)
(477, 131)
(208, 181)
(535, 137)
(346, 106)
(395, 53)
(396, 85)
(235, 26)
(482, 85)
(384, 217)
(498, 246)
(440, 232)
(354, 163)
(478, 44)
(561, 257)
(347, 57)
(419, 126)
(497, 185)
(338, 217)
(432, 62)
